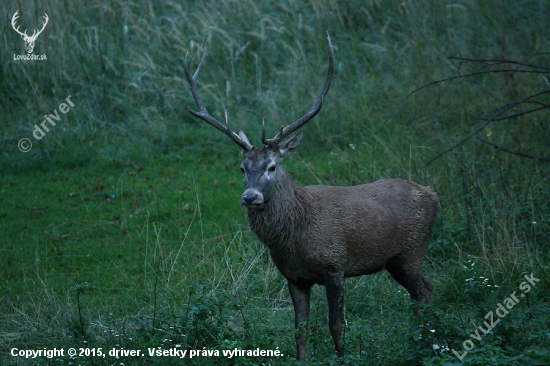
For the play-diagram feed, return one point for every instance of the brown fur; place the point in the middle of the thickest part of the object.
(316, 230)
(322, 234)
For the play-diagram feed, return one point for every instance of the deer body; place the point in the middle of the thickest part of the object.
(323, 234)
(315, 231)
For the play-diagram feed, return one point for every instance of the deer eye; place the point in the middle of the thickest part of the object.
(271, 169)
(242, 170)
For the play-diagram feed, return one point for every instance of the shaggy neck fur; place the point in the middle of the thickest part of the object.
(284, 218)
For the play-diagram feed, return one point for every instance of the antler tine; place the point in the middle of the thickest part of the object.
(44, 23)
(270, 142)
(203, 113)
(315, 108)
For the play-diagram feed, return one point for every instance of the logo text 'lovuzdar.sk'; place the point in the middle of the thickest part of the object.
(29, 40)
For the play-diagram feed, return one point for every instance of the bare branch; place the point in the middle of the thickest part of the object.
(544, 106)
(518, 153)
(495, 115)
(498, 112)
(464, 76)
(498, 62)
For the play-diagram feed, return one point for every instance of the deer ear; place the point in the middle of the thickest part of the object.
(243, 137)
(288, 146)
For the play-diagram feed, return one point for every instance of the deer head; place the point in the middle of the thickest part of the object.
(29, 40)
(262, 165)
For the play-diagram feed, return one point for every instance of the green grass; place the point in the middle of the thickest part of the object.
(122, 228)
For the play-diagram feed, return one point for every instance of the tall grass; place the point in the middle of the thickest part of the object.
(121, 228)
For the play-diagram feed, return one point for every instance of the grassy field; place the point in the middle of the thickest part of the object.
(121, 227)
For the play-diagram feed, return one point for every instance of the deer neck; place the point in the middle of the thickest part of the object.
(284, 219)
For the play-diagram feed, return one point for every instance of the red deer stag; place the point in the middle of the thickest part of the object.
(322, 234)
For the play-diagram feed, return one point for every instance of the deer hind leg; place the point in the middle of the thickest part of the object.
(409, 276)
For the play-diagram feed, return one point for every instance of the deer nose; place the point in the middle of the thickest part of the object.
(248, 199)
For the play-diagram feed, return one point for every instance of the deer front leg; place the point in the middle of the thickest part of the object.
(335, 295)
(300, 295)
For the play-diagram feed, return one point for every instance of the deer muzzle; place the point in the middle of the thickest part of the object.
(251, 198)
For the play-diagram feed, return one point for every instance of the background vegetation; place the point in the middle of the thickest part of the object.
(121, 228)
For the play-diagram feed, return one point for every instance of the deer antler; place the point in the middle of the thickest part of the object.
(35, 34)
(13, 19)
(203, 113)
(24, 34)
(315, 108)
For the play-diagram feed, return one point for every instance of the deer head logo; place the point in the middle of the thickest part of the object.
(29, 40)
